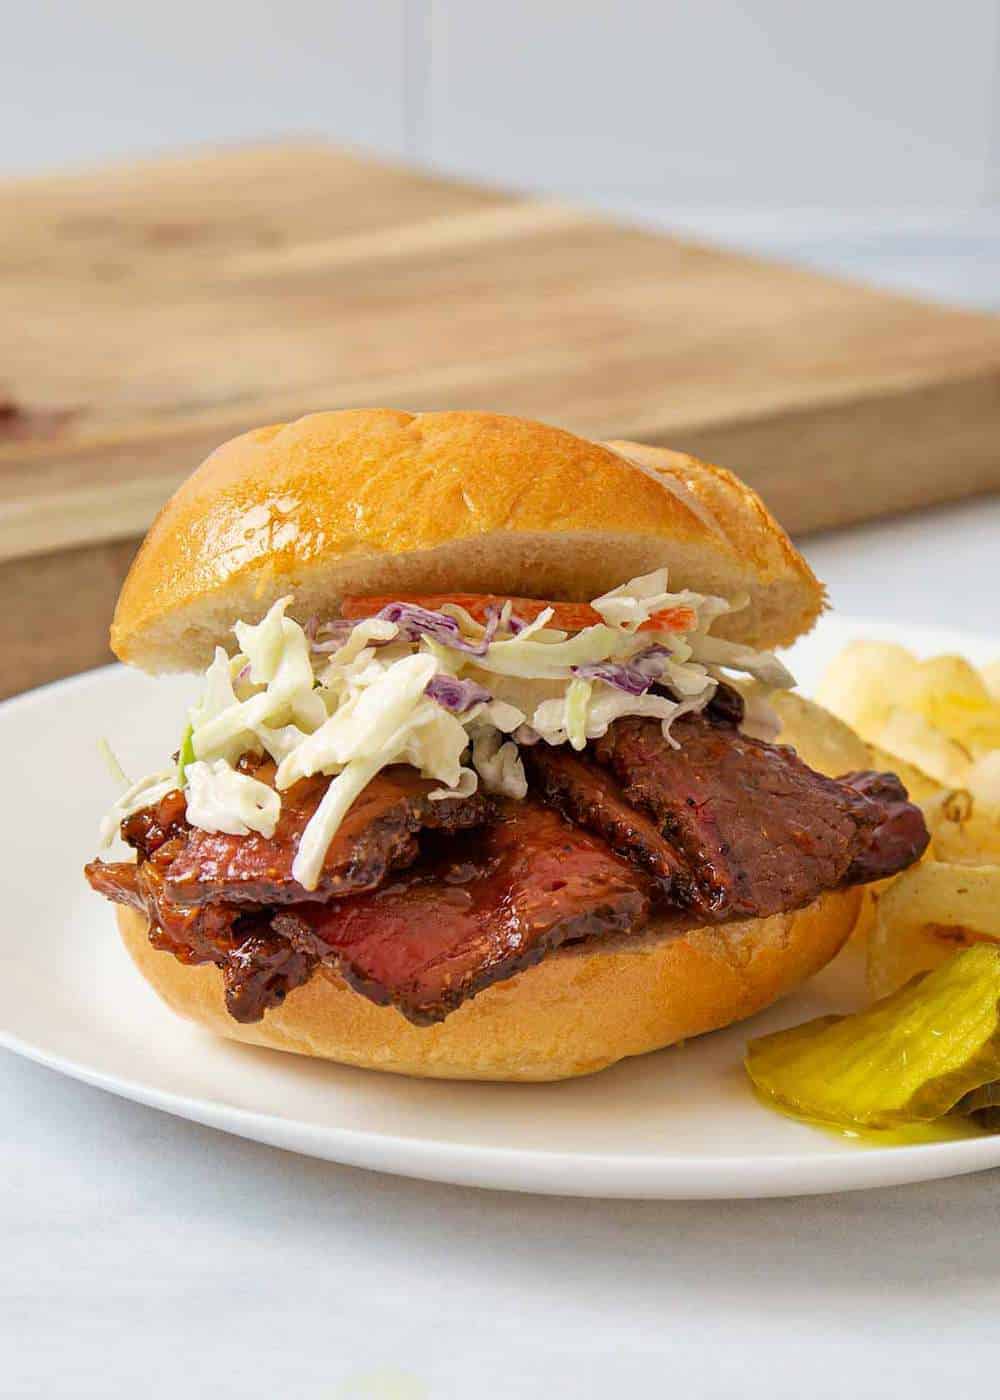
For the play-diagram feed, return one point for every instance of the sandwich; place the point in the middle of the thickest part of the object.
(481, 780)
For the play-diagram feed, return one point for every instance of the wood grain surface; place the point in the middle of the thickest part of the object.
(151, 311)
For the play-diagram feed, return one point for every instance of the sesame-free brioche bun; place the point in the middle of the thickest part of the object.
(578, 1011)
(378, 501)
(383, 502)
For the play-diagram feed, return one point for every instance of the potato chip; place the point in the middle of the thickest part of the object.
(927, 914)
(914, 738)
(861, 684)
(820, 739)
(983, 780)
(941, 714)
(952, 696)
(991, 678)
(965, 837)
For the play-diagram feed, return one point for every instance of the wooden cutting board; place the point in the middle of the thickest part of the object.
(151, 311)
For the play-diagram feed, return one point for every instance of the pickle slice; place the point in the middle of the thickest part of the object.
(926, 914)
(986, 1096)
(982, 1106)
(908, 1059)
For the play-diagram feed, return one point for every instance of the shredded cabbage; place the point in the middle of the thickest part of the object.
(434, 689)
(360, 636)
(525, 655)
(499, 765)
(322, 826)
(221, 799)
(715, 651)
(415, 623)
(577, 701)
(634, 676)
(363, 725)
(553, 721)
(502, 715)
(110, 761)
(635, 602)
(760, 719)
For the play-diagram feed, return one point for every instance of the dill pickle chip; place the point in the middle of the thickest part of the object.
(982, 1106)
(908, 1059)
(985, 1097)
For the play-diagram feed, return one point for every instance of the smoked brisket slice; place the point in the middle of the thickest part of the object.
(590, 796)
(261, 970)
(487, 906)
(194, 935)
(210, 897)
(258, 967)
(721, 827)
(760, 831)
(376, 836)
(896, 838)
(149, 829)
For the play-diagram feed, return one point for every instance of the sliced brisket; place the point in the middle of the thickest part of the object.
(117, 880)
(192, 934)
(146, 831)
(259, 968)
(260, 972)
(376, 836)
(726, 705)
(591, 797)
(894, 838)
(760, 832)
(489, 905)
(209, 897)
(721, 827)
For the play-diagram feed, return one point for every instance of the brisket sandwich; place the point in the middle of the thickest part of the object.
(474, 787)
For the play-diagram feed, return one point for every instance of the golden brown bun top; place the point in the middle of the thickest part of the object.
(380, 501)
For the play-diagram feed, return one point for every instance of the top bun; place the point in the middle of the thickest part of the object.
(379, 501)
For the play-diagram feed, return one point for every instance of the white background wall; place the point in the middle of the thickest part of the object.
(868, 130)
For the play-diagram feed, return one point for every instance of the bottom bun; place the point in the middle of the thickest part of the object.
(580, 1010)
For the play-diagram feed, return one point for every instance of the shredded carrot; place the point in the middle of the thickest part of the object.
(567, 617)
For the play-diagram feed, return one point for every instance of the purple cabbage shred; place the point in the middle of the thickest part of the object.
(415, 622)
(326, 637)
(634, 676)
(456, 695)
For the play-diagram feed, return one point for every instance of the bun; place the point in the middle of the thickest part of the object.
(378, 501)
(578, 1011)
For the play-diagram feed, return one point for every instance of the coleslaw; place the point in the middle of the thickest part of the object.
(436, 689)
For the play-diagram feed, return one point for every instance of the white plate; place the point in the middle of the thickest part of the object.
(679, 1124)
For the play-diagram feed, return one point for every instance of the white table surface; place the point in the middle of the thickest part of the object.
(141, 1255)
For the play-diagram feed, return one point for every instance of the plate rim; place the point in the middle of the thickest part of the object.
(646, 1176)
